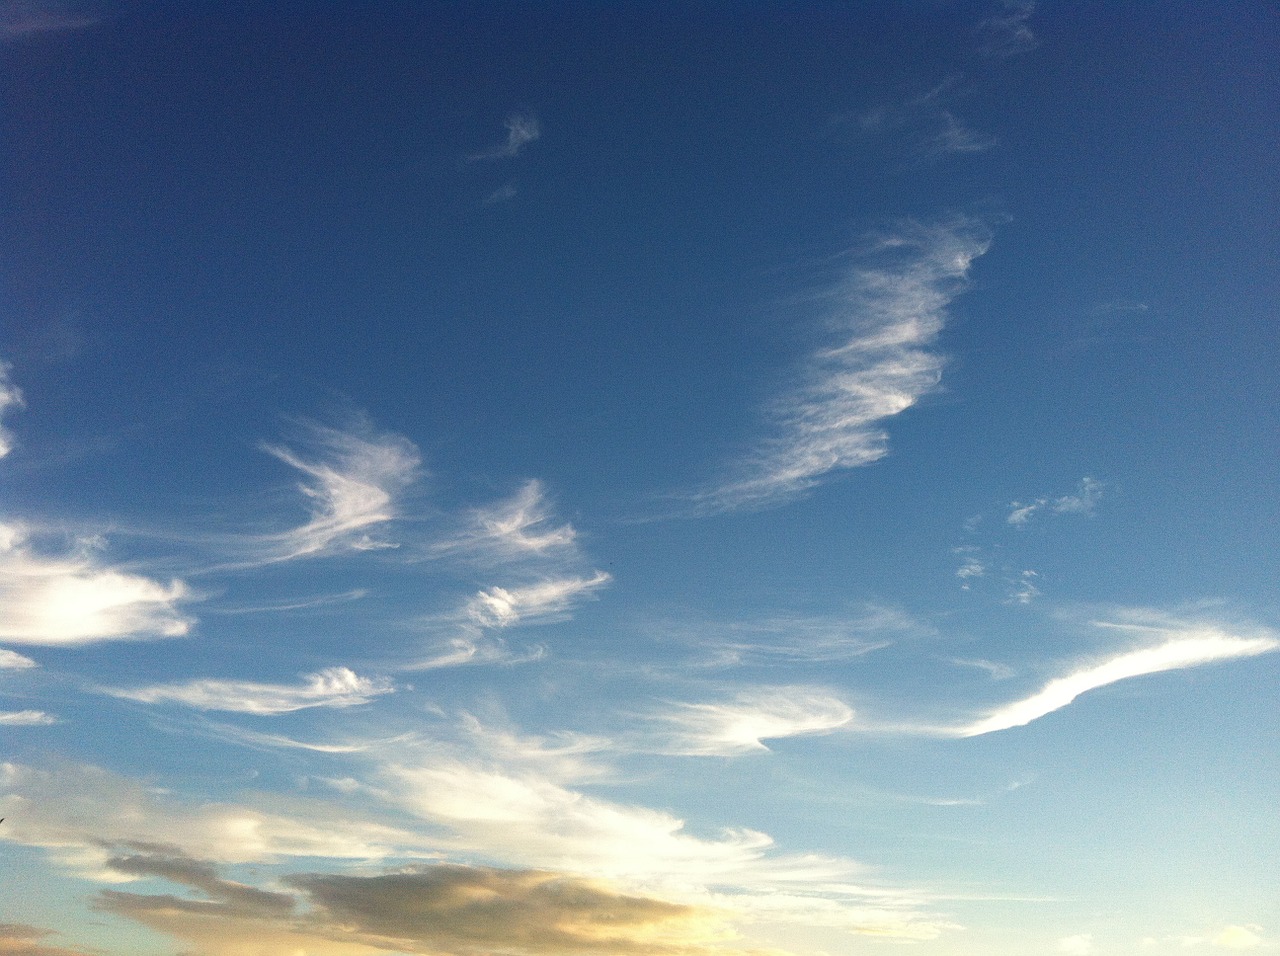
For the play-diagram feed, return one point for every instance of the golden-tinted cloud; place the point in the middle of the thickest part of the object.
(19, 939)
(436, 909)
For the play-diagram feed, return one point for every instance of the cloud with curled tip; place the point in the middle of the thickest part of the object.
(76, 599)
(889, 315)
(334, 687)
(352, 482)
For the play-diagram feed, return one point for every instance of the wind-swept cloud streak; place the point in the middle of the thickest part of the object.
(334, 687)
(25, 18)
(891, 315)
(76, 599)
(352, 482)
(1189, 646)
(10, 397)
(11, 660)
(743, 724)
(22, 939)
(518, 528)
(26, 718)
(474, 625)
(1009, 33)
(1083, 502)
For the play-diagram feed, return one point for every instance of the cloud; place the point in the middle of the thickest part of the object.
(443, 908)
(11, 660)
(10, 396)
(1238, 937)
(82, 814)
(1085, 499)
(1078, 945)
(21, 939)
(518, 528)
(522, 129)
(889, 316)
(332, 687)
(933, 129)
(1008, 34)
(25, 18)
(1181, 647)
(353, 482)
(501, 194)
(742, 725)
(75, 599)
(792, 639)
(502, 607)
(482, 910)
(26, 718)
(1024, 590)
(996, 670)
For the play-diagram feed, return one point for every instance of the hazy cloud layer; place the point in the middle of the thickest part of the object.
(332, 687)
(889, 316)
(76, 599)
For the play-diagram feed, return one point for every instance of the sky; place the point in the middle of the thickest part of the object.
(600, 479)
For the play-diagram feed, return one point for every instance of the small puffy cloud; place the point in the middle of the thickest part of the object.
(332, 687)
(75, 599)
(890, 316)
(26, 718)
(352, 482)
(10, 396)
(1078, 945)
(1181, 645)
(741, 726)
(1082, 502)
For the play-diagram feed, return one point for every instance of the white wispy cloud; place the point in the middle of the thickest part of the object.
(473, 628)
(499, 607)
(26, 718)
(353, 482)
(1180, 646)
(520, 527)
(1009, 34)
(742, 725)
(1083, 501)
(780, 639)
(332, 687)
(1023, 588)
(76, 599)
(12, 660)
(10, 397)
(927, 122)
(522, 129)
(890, 316)
(997, 670)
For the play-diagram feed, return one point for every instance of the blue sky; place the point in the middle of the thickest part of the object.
(640, 480)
